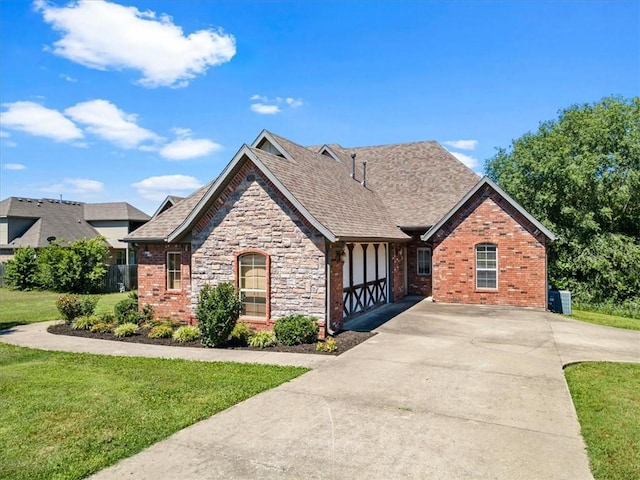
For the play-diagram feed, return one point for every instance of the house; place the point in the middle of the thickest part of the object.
(37, 222)
(331, 232)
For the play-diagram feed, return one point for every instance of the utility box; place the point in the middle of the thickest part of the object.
(560, 301)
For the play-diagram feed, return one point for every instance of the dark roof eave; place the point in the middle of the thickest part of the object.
(372, 239)
(143, 240)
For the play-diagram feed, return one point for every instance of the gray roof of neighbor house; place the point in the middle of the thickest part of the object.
(403, 181)
(113, 211)
(61, 219)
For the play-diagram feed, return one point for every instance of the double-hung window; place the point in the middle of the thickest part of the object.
(486, 266)
(424, 261)
(253, 284)
(174, 279)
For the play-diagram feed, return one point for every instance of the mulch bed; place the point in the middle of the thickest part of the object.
(345, 340)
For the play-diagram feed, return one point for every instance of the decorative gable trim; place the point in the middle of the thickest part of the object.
(226, 176)
(326, 150)
(488, 182)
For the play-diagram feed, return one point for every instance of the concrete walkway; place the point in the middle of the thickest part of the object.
(442, 392)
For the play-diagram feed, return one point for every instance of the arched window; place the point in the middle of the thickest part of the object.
(252, 283)
(486, 266)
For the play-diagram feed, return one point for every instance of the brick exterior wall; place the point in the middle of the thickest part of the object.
(418, 284)
(152, 281)
(396, 273)
(251, 214)
(488, 218)
(336, 304)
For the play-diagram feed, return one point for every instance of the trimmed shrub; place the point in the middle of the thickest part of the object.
(328, 346)
(217, 313)
(126, 311)
(69, 306)
(103, 327)
(88, 304)
(186, 333)
(262, 340)
(161, 331)
(240, 334)
(85, 322)
(107, 317)
(147, 313)
(296, 329)
(126, 330)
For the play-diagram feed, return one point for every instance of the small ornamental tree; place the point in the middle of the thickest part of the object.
(22, 270)
(217, 313)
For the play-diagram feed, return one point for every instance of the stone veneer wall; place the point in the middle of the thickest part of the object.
(152, 281)
(251, 214)
(488, 218)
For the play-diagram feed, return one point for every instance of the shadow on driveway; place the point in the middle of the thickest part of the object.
(369, 321)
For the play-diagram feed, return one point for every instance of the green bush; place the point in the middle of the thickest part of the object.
(296, 329)
(217, 313)
(186, 333)
(103, 327)
(72, 306)
(107, 317)
(126, 311)
(328, 346)
(161, 331)
(262, 340)
(240, 334)
(77, 267)
(85, 322)
(22, 270)
(126, 330)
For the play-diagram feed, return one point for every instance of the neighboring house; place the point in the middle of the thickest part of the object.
(331, 232)
(37, 222)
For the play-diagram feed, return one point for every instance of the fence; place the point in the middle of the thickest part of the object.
(120, 278)
(1, 274)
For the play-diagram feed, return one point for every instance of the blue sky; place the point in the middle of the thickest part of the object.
(131, 101)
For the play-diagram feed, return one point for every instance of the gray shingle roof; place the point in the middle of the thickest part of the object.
(418, 182)
(160, 226)
(408, 185)
(113, 211)
(68, 220)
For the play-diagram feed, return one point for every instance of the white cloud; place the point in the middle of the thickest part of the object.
(4, 134)
(264, 109)
(463, 144)
(157, 188)
(104, 35)
(187, 148)
(468, 160)
(68, 78)
(293, 102)
(13, 166)
(107, 121)
(37, 120)
(78, 186)
(264, 106)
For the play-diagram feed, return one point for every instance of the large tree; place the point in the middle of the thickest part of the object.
(580, 175)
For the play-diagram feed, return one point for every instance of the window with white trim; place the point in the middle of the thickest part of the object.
(174, 278)
(486, 266)
(252, 268)
(424, 261)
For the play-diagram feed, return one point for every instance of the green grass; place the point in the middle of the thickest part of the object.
(19, 307)
(607, 399)
(67, 415)
(608, 320)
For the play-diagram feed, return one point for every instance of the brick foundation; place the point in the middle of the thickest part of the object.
(488, 218)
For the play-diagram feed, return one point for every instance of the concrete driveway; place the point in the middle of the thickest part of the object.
(442, 392)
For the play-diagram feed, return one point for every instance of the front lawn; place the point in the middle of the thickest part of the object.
(607, 399)
(19, 308)
(67, 415)
(607, 320)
